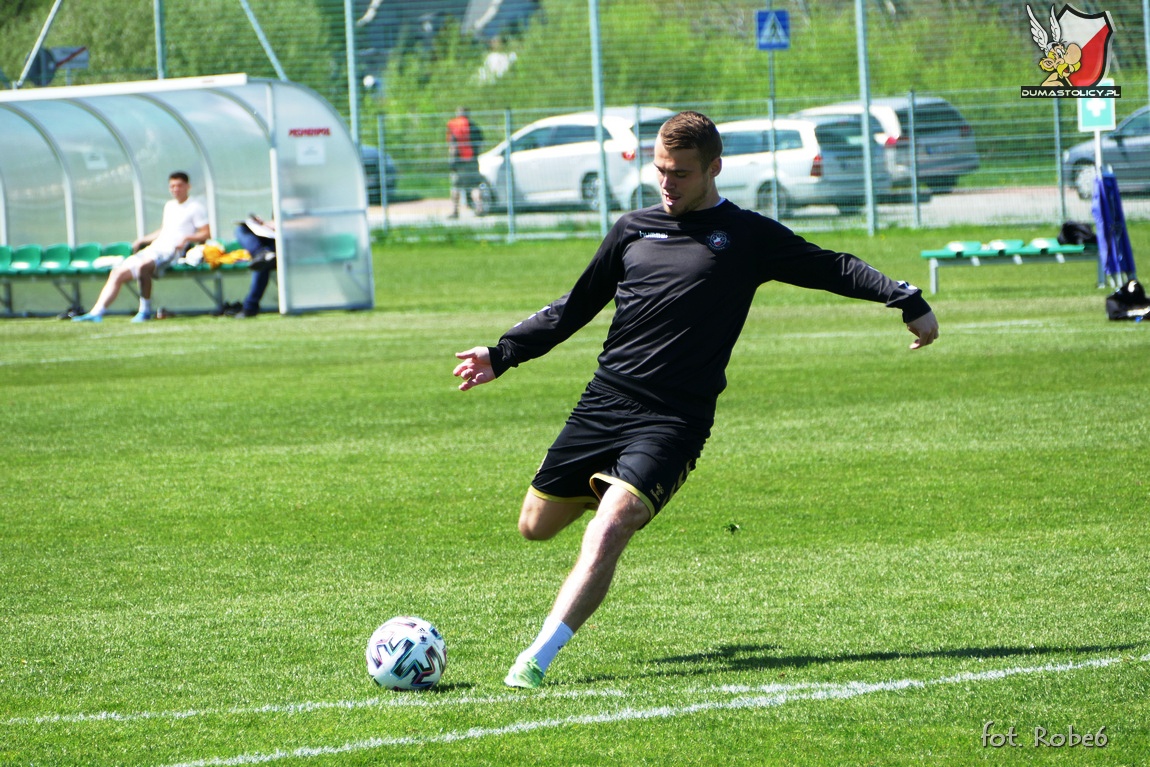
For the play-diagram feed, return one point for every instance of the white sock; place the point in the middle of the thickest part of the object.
(145, 304)
(552, 637)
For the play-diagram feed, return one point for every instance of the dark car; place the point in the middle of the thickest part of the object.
(371, 170)
(1126, 150)
(944, 139)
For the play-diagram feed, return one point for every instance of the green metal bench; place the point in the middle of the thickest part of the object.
(1038, 251)
(66, 268)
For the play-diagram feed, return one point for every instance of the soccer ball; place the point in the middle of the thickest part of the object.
(406, 653)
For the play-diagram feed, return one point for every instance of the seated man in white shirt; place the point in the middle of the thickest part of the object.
(185, 223)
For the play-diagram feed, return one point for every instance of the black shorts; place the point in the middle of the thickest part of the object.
(611, 439)
(465, 174)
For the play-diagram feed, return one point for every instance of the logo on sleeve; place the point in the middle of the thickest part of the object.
(718, 240)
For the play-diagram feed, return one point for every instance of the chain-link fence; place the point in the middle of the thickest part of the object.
(971, 149)
(960, 164)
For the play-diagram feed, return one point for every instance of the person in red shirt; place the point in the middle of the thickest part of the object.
(463, 140)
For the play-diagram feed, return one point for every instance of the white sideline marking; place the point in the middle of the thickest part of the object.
(415, 700)
(826, 691)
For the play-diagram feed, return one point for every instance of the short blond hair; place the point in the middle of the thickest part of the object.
(693, 130)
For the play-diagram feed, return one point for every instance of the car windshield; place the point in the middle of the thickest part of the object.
(1138, 125)
(931, 118)
(839, 135)
(737, 143)
(742, 142)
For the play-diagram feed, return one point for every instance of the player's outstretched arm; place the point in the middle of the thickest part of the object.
(475, 368)
(925, 330)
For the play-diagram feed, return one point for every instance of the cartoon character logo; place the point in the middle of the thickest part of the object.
(1076, 51)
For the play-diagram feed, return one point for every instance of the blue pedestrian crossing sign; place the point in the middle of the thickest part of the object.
(772, 30)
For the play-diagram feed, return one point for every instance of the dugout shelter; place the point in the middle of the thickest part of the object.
(88, 165)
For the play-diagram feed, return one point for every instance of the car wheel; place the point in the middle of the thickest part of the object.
(589, 192)
(941, 184)
(483, 199)
(764, 202)
(1084, 176)
(644, 197)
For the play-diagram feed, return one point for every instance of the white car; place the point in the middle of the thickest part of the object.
(555, 161)
(819, 161)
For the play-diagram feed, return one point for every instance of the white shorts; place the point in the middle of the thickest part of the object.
(162, 259)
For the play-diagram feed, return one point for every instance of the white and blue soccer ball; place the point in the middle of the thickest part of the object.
(406, 653)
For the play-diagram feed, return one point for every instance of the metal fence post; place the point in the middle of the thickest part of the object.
(1058, 159)
(380, 141)
(638, 201)
(864, 94)
(913, 165)
(774, 147)
(508, 175)
(600, 132)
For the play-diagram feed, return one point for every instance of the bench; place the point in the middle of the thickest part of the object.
(67, 268)
(970, 253)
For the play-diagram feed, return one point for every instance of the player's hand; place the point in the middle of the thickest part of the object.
(475, 368)
(925, 330)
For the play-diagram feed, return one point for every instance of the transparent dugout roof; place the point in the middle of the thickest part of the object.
(91, 163)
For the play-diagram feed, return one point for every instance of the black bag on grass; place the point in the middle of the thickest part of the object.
(1077, 233)
(1129, 302)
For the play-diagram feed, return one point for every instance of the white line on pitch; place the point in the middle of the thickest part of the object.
(414, 700)
(830, 691)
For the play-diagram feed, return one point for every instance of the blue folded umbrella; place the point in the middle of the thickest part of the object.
(1113, 240)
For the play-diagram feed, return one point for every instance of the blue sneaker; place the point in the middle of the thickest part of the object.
(143, 316)
(89, 317)
(525, 674)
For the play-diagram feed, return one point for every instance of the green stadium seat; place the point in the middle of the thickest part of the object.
(1043, 246)
(84, 256)
(1004, 247)
(117, 249)
(5, 257)
(110, 255)
(955, 249)
(26, 259)
(56, 259)
(340, 247)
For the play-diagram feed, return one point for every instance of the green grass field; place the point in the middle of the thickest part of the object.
(202, 521)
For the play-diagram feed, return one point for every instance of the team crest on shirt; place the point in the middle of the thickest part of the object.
(718, 240)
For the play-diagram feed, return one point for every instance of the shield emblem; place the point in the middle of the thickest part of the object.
(1092, 32)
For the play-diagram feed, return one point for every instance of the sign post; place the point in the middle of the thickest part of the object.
(772, 33)
(1096, 114)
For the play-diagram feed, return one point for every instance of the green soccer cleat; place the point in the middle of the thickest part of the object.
(525, 674)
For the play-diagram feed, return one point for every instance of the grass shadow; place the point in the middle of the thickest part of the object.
(764, 657)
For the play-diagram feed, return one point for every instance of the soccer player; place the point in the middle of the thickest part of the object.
(184, 223)
(682, 275)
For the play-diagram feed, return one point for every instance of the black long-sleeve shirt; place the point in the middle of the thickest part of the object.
(682, 288)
